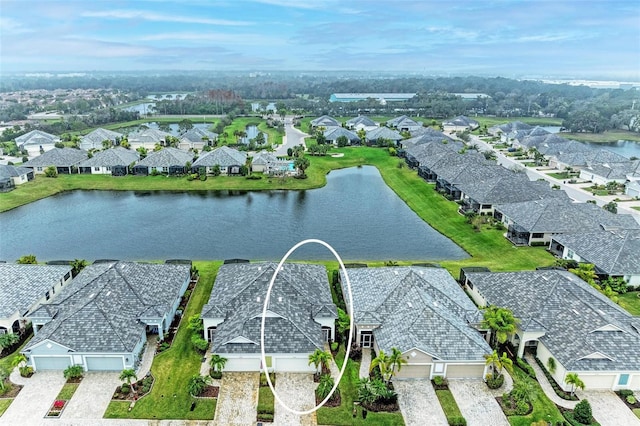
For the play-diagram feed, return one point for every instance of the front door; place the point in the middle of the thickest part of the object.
(366, 339)
(326, 334)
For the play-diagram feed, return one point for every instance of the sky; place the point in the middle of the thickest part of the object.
(509, 38)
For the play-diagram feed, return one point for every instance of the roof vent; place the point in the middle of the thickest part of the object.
(258, 299)
(575, 312)
(259, 268)
(409, 304)
(91, 295)
(395, 272)
(279, 298)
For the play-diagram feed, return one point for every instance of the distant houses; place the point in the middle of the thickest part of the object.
(96, 139)
(12, 176)
(36, 142)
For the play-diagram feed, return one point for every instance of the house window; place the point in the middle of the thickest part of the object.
(108, 169)
(67, 275)
(39, 169)
(47, 295)
(537, 235)
(570, 253)
(623, 380)
(366, 339)
(96, 169)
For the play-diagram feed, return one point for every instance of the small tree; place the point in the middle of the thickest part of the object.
(29, 259)
(382, 361)
(196, 385)
(301, 163)
(343, 322)
(51, 172)
(575, 382)
(128, 375)
(320, 359)
(396, 360)
(501, 322)
(77, 265)
(497, 362)
(585, 271)
(215, 170)
(217, 363)
(611, 207)
(582, 412)
(324, 387)
(73, 372)
(195, 324)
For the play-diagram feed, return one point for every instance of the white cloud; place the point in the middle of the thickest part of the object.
(230, 39)
(159, 17)
(10, 25)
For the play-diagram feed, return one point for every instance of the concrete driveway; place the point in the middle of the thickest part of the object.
(35, 398)
(477, 403)
(93, 396)
(608, 409)
(297, 390)
(238, 399)
(418, 402)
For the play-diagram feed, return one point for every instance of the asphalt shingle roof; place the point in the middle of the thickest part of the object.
(197, 134)
(148, 136)
(363, 120)
(223, 157)
(7, 171)
(23, 285)
(334, 133)
(383, 133)
(112, 157)
(586, 158)
(100, 311)
(167, 157)
(60, 157)
(573, 315)
(325, 121)
(300, 293)
(36, 137)
(99, 135)
(613, 252)
(461, 120)
(417, 307)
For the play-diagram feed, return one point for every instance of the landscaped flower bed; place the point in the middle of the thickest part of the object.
(629, 399)
(562, 394)
(136, 391)
(56, 408)
(11, 390)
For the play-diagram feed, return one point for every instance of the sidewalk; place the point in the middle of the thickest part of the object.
(365, 363)
(546, 386)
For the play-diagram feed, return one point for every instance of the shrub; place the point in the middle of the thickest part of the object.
(334, 346)
(631, 399)
(582, 412)
(125, 388)
(25, 371)
(494, 383)
(196, 385)
(522, 408)
(438, 380)
(625, 392)
(526, 367)
(199, 343)
(73, 372)
(51, 172)
(215, 374)
(263, 379)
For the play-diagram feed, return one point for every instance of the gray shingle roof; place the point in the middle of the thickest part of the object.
(617, 171)
(36, 137)
(403, 121)
(112, 157)
(586, 158)
(60, 157)
(100, 311)
(167, 157)
(300, 292)
(148, 136)
(334, 133)
(612, 252)
(7, 171)
(325, 121)
(571, 312)
(223, 157)
(264, 158)
(197, 134)
(417, 307)
(95, 138)
(363, 120)
(461, 120)
(23, 285)
(383, 133)
(511, 127)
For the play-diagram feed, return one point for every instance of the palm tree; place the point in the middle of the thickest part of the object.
(382, 361)
(196, 385)
(320, 359)
(218, 362)
(575, 382)
(128, 375)
(396, 360)
(19, 361)
(501, 322)
(585, 271)
(497, 362)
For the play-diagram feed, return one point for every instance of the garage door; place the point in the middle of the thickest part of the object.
(104, 363)
(242, 364)
(51, 362)
(293, 365)
(464, 371)
(409, 371)
(598, 382)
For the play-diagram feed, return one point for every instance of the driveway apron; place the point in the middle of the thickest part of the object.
(477, 403)
(608, 409)
(93, 396)
(35, 399)
(418, 402)
(297, 390)
(238, 399)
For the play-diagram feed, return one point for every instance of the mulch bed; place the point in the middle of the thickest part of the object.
(379, 406)
(74, 379)
(512, 411)
(210, 392)
(624, 399)
(335, 401)
(13, 392)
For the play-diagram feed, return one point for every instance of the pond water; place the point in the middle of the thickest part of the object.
(355, 212)
(252, 132)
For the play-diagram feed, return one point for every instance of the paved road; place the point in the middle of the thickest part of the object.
(292, 137)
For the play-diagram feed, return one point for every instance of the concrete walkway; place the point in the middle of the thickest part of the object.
(147, 357)
(93, 396)
(297, 390)
(546, 386)
(477, 404)
(238, 399)
(365, 363)
(35, 398)
(418, 402)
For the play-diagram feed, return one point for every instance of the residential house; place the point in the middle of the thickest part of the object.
(36, 142)
(267, 163)
(632, 189)
(12, 176)
(564, 318)
(197, 138)
(113, 161)
(582, 159)
(24, 288)
(334, 133)
(450, 170)
(536, 222)
(147, 139)
(172, 161)
(423, 313)
(615, 254)
(379, 134)
(404, 124)
(65, 160)
(361, 122)
(427, 135)
(228, 159)
(95, 139)
(300, 315)
(105, 317)
(510, 131)
(604, 173)
(325, 121)
(460, 124)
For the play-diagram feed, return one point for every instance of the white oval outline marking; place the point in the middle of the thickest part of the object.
(264, 313)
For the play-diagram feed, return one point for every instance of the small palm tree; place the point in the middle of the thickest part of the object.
(575, 382)
(218, 362)
(19, 361)
(196, 385)
(128, 375)
(396, 360)
(324, 387)
(497, 362)
(551, 365)
(501, 322)
(319, 358)
(382, 361)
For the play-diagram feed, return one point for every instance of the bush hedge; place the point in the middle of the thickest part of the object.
(558, 390)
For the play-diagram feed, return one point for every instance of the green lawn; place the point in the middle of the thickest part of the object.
(343, 415)
(543, 407)
(534, 121)
(448, 404)
(6, 361)
(631, 302)
(172, 369)
(67, 391)
(563, 175)
(636, 411)
(4, 404)
(241, 124)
